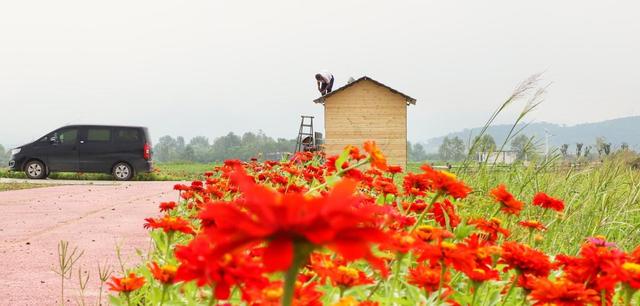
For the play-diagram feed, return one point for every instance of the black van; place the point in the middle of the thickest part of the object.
(119, 150)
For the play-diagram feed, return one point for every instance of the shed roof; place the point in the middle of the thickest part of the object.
(409, 100)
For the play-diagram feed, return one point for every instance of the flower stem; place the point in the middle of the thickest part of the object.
(300, 253)
(164, 293)
(168, 247)
(513, 286)
(476, 287)
(339, 173)
(424, 212)
(443, 271)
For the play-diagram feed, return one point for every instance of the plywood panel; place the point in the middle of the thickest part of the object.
(366, 111)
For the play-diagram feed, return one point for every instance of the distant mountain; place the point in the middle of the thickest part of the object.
(616, 131)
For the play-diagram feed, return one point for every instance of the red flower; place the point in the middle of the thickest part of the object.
(543, 200)
(271, 295)
(445, 182)
(415, 184)
(417, 207)
(427, 277)
(126, 284)
(337, 271)
(167, 206)
(597, 266)
(532, 225)
(354, 153)
(445, 211)
(629, 273)
(508, 203)
(385, 186)
(284, 221)
(164, 274)
(199, 261)
(170, 224)
(525, 259)
(394, 169)
(377, 158)
(491, 227)
(562, 292)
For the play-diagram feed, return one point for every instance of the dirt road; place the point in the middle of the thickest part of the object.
(92, 217)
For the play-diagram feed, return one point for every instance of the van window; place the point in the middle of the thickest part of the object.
(66, 136)
(98, 134)
(127, 135)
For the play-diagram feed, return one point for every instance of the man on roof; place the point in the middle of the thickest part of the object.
(325, 82)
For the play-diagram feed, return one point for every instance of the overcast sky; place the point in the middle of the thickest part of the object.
(208, 67)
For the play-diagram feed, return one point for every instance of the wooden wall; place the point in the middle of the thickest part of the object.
(366, 111)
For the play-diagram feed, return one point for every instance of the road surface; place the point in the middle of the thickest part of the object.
(94, 216)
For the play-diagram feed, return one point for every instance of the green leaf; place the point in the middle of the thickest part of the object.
(341, 159)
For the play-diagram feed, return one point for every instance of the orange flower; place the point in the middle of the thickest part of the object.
(126, 284)
(271, 295)
(543, 200)
(427, 277)
(445, 182)
(491, 227)
(377, 158)
(509, 204)
(351, 301)
(533, 225)
(562, 292)
(525, 259)
(169, 224)
(337, 271)
(164, 274)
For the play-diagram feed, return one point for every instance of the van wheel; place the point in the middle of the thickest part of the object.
(35, 170)
(122, 172)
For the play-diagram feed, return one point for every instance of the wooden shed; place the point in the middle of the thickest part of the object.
(366, 109)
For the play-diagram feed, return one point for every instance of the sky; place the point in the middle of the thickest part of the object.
(209, 67)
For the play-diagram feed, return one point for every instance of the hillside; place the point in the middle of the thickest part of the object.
(616, 131)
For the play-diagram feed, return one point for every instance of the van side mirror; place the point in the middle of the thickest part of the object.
(53, 140)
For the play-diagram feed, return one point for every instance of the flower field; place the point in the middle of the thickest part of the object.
(352, 230)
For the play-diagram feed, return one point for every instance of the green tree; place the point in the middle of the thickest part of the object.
(451, 149)
(4, 156)
(579, 149)
(484, 143)
(563, 149)
(522, 145)
(418, 154)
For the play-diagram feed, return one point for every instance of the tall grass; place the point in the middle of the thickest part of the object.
(600, 200)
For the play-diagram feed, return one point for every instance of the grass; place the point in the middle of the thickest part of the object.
(18, 186)
(601, 200)
(162, 172)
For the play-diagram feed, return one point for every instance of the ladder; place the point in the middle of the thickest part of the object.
(306, 139)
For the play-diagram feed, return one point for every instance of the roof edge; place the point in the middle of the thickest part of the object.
(409, 100)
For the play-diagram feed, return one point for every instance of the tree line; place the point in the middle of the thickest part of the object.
(231, 146)
(4, 156)
(454, 148)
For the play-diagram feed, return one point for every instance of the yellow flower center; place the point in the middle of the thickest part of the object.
(273, 293)
(448, 245)
(449, 174)
(351, 272)
(631, 267)
(496, 220)
(425, 228)
(171, 269)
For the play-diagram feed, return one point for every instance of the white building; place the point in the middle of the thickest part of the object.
(501, 157)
